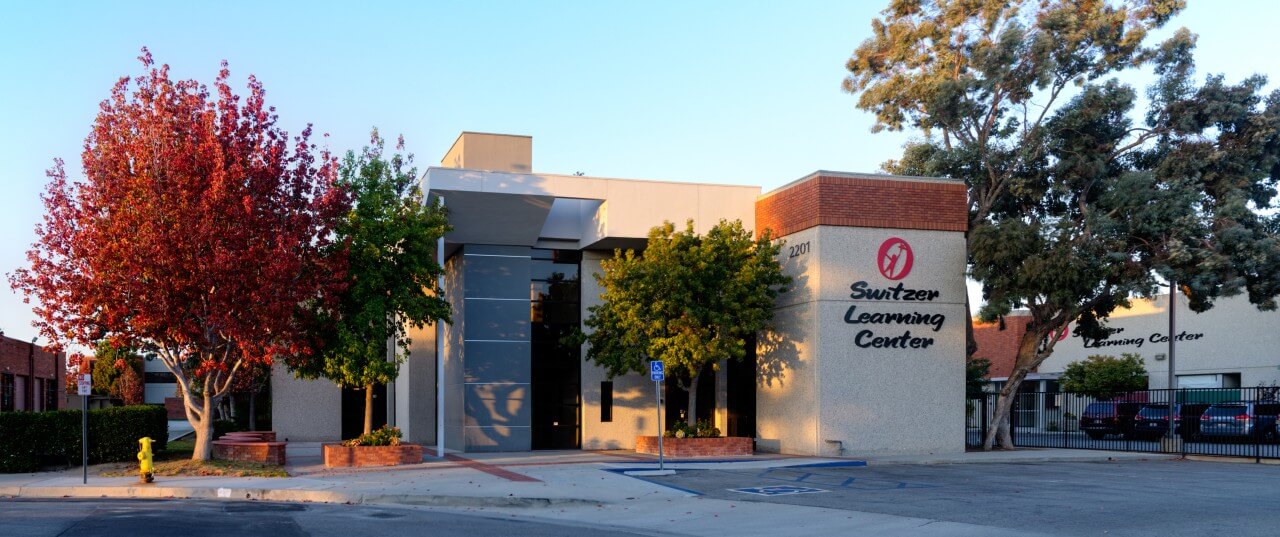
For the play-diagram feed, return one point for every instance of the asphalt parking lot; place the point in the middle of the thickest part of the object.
(1174, 497)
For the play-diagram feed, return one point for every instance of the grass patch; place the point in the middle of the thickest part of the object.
(189, 467)
(175, 460)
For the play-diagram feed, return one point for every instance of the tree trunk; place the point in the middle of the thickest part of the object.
(692, 418)
(231, 406)
(368, 409)
(1029, 357)
(253, 411)
(204, 431)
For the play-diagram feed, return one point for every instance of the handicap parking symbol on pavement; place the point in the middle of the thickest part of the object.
(781, 490)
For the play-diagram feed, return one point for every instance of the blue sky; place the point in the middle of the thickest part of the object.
(724, 92)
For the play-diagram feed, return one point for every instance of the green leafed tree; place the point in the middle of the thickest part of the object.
(689, 300)
(975, 376)
(390, 238)
(117, 373)
(1105, 377)
(1077, 200)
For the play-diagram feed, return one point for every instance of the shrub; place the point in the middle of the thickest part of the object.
(385, 436)
(701, 429)
(221, 427)
(29, 438)
(1105, 377)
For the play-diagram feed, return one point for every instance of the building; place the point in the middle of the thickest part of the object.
(31, 378)
(867, 356)
(1232, 345)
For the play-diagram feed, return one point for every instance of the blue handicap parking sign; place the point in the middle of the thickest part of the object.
(656, 371)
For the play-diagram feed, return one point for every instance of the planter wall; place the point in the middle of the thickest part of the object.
(249, 451)
(724, 446)
(338, 455)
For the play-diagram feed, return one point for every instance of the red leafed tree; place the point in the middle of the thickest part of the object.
(197, 234)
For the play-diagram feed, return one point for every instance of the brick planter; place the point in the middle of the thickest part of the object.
(249, 451)
(338, 455)
(724, 446)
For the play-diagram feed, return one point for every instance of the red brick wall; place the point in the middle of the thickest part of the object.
(725, 446)
(864, 202)
(338, 455)
(13, 359)
(263, 452)
(1000, 346)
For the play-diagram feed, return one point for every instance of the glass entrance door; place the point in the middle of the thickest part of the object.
(556, 368)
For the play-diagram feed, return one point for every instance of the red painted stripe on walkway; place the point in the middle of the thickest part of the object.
(491, 469)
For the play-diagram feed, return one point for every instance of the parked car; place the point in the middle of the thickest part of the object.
(1241, 419)
(1109, 417)
(1152, 421)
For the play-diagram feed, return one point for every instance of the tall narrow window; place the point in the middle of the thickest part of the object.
(6, 392)
(606, 401)
(50, 394)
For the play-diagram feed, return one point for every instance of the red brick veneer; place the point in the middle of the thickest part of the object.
(250, 436)
(724, 446)
(236, 450)
(336, 455)
(1000, 345)
(173, 406)
(864, 201)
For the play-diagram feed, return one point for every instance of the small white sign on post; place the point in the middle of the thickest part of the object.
(84, 386)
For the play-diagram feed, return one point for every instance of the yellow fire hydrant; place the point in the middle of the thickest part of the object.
(144, 460)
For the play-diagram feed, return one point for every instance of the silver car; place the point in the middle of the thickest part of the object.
(1241, 419)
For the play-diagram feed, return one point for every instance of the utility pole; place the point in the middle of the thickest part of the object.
(1171, 443)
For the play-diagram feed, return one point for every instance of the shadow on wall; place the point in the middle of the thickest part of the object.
(776, 351)
(493, 415)
(636, 402)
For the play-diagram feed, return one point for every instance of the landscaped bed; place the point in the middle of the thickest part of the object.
(176, 461)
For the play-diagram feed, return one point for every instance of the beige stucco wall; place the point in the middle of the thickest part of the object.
(304, 410)
(486, 151)
(829, 396)
(453, 349)
(415, 388)
(1237, 338)
(634, 409)
(787, 381)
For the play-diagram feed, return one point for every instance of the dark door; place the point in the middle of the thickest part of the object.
(353, 410)
(741, 401)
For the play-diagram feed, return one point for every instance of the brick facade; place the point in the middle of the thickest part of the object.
(1000, 346)
(17, 358)
(338, 455)
(262, 452)
(724, 446)
(827, 198)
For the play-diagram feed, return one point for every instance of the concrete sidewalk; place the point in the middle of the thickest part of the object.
(586, 487)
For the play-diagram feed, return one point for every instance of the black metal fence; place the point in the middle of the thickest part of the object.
(1233, 422)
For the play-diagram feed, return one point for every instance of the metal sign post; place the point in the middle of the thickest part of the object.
(658, 373)
(84, 388)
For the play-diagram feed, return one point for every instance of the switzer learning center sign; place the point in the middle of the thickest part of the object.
(894, 261)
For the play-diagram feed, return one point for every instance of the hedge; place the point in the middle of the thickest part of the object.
(29, 439)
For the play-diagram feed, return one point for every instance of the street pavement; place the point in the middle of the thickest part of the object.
(189, 518)
(1024, 492)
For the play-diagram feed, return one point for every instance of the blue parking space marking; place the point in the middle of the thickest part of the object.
(777, 490)
(843, 481)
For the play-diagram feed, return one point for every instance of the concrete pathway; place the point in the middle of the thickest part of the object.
(582, 486)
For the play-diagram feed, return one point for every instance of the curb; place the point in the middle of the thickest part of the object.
(285, 495)
(1031, 460)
